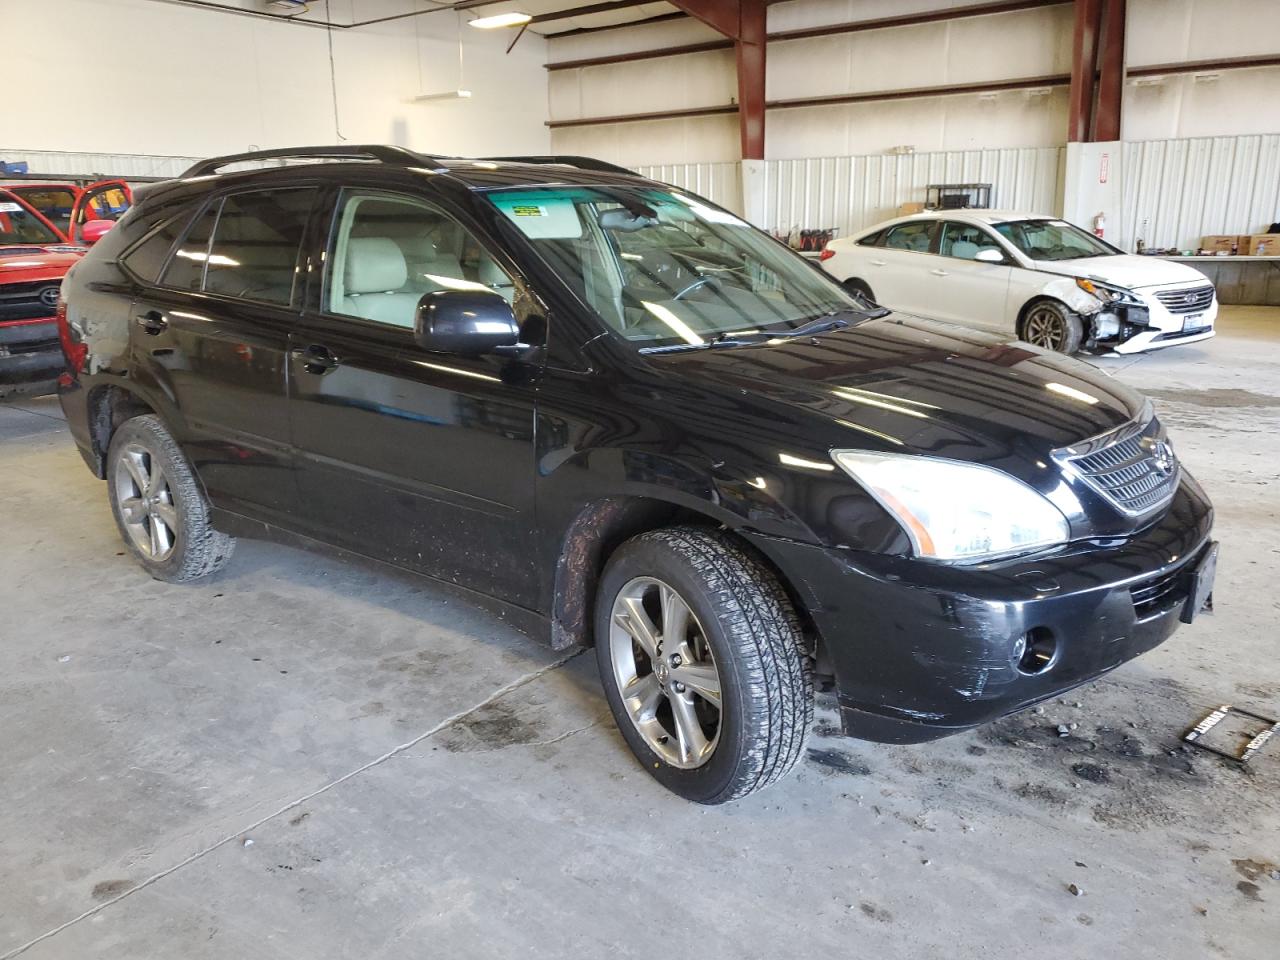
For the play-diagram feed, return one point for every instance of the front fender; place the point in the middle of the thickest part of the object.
(1066, 290)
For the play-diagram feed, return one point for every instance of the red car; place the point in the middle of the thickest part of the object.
(35, 253)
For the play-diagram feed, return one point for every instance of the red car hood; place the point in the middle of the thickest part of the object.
(22, 264)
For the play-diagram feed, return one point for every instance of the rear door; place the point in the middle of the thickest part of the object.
(899, 267)
(106, 200)
(214, 335)
(424, 460)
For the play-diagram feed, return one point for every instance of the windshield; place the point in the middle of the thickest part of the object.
(20, 227)
(1053, 240)
(54, 203)
(664, 268)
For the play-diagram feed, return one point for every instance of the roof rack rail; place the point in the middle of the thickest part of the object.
(380, 152)
(568, 160)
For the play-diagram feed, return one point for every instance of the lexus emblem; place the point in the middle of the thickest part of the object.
(1162, 458)
(49, 296)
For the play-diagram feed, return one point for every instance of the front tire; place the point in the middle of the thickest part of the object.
(703, 664)
(159, 508)
(1051, 325)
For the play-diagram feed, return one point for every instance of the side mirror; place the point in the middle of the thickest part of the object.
(469, 322)
(94, 230)
(989, 255)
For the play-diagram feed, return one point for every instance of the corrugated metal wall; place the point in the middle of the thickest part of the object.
(849, 193)
(718, 182)
(92, 164)
(1177, 191)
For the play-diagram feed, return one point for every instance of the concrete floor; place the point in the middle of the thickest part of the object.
(307, 757)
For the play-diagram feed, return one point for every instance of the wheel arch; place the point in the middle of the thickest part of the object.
(599, 529)
(108, 406)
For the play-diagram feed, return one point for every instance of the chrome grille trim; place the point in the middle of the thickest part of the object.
(1132, 468)
(1188, 300)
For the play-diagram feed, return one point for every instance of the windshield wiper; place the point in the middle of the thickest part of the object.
(822, 324)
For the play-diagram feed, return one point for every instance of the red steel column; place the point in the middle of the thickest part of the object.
(1084, 58)
(750, 48)
(1106, 124)
(744, 23)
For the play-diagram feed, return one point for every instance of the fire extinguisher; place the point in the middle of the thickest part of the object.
(1099, 225)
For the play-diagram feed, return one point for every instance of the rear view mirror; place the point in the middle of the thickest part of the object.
(989, 255)
(469, 322)
(94, 230)
(625, 221)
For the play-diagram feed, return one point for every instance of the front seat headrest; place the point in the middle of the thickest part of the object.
(374, 265)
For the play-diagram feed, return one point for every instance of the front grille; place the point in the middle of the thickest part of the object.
(1158, 594)
(27, 301)
(1135, 469)
(1193, 300)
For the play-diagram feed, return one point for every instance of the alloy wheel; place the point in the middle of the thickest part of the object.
(1046, 328)
(145, 502)
(665, 672)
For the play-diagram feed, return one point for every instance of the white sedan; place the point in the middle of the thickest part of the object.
(1036, 277)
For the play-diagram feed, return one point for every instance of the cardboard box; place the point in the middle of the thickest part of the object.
(1260, 245)
(907, 209)
(1219, 243)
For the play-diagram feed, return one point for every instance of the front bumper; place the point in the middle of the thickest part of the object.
(29, 351)
(1165, 328)
(921, 650)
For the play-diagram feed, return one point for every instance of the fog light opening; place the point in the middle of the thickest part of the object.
(1035, 651)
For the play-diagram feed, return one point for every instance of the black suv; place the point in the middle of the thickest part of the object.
(630, 419)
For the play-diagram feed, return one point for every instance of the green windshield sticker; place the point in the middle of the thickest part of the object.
(544, 215)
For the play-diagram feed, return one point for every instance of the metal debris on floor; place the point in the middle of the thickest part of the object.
(1195, 736)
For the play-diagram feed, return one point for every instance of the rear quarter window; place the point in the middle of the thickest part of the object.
(165, 225)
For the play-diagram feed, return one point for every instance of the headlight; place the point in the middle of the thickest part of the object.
(1105, 292)
(956, 511)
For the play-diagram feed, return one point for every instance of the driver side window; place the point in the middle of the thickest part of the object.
(964, 241)
(387, 252)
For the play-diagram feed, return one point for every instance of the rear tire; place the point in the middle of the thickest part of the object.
(159, 508)
(716, 617)
(1049, 324)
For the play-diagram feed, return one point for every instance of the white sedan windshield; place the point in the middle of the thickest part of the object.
(1053, 240)
(666, 268)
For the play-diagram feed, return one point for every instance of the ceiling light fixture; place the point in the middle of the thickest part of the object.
(501, 20)
(447, 95)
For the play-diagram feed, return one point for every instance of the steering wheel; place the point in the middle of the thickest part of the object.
(700, 282)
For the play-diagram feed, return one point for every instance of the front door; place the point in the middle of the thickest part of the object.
(216, 332)
(103, 202)
(422, 459)
(966, 290)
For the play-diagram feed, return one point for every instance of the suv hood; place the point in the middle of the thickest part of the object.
(907, 385)
(1124, 270)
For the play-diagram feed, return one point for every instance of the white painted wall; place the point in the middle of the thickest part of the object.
(184, 81)
(1012, 45)
(1234, 102)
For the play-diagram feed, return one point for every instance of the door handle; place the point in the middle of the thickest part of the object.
(878, 263)
(315, 358)
(939, 273)
(153, 322)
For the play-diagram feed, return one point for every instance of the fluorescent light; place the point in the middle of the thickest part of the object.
(447, 95)
(501, 20)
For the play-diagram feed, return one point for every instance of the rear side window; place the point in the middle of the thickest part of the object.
(254, 255)
(186, 269)
(871, 239)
